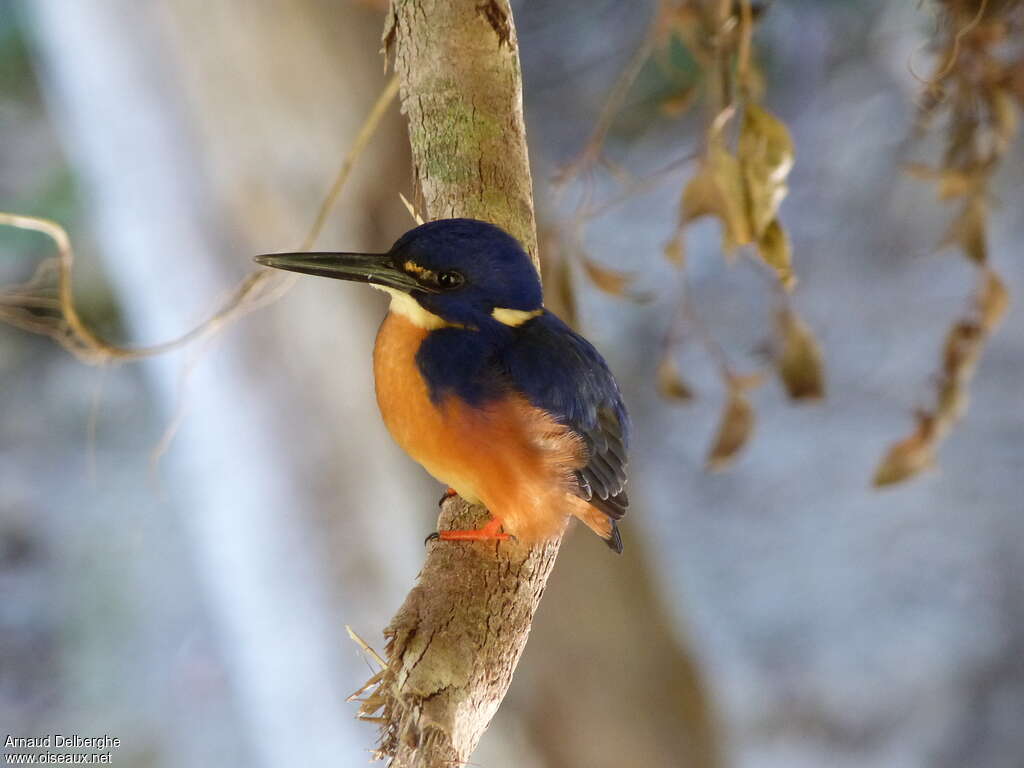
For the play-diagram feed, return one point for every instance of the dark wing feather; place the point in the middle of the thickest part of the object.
(558, 370)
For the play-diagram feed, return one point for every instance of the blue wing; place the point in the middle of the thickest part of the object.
(560, 371)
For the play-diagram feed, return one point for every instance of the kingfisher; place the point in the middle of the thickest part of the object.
(490, 392)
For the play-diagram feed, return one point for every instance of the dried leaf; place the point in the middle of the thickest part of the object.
(799, 363)
(675, 252)
(907, 457)
(717, 190)
(670, 381)
(734, 430)
(993, 301)
(963, 348)
(968, 231)
(951, 182)
(1004, 118)
(774, 249)
(766, 158)
(700, 196)
(954, 183)
(953, 397)
(606, 279)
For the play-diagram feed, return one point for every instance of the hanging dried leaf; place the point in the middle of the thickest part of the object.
(908, 457)
(774, 249)
(605, 279)
(670, 381)
(953, 184)
(950, 182)
(993, 301)
(963, 348)
(1004, 118)
(799, 363)
(766, 158)
(734, 430)
(952, 403)
(968, 231)
(700, 196)
(976, 79)
(717, 190)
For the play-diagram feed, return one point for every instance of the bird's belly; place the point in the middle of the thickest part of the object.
(431, 435)
(509, 456)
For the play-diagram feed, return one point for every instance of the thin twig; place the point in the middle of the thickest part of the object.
(362, 139)
(595, 143)
(257, 289)
(412, 210)
(645, 184)
(365, 646)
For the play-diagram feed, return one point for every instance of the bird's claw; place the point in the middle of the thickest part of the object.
(490, 532)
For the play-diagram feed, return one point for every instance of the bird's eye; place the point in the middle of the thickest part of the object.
(450, 279)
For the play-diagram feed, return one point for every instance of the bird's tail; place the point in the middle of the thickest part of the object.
(599, 523)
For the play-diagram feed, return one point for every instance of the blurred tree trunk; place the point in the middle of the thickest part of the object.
(612, 665)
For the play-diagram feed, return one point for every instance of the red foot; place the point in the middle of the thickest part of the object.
(490, 532)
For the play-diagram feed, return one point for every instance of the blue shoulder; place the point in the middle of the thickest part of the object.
(460, 362)
(544, 360)
(560, 371)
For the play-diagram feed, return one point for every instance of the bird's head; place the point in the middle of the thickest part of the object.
(460, 272)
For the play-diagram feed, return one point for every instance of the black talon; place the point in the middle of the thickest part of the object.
(435, 536)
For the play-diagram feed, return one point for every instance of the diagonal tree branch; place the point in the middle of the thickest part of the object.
(455, 642)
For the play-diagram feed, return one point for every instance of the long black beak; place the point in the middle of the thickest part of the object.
(373, 268)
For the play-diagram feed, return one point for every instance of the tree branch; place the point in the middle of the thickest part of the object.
(455, 642)
(458, 61)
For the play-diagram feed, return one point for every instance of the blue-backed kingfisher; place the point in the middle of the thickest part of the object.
(493, 394)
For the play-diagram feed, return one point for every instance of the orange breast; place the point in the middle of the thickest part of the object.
(511, 457)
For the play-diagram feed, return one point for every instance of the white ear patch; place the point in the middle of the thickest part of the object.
(515, 317)
(405, 305)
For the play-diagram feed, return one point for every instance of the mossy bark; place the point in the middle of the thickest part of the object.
(462, 93)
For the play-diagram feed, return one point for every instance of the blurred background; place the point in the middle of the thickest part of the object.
(193, 605)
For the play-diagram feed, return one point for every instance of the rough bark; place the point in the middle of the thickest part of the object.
(455, 642)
